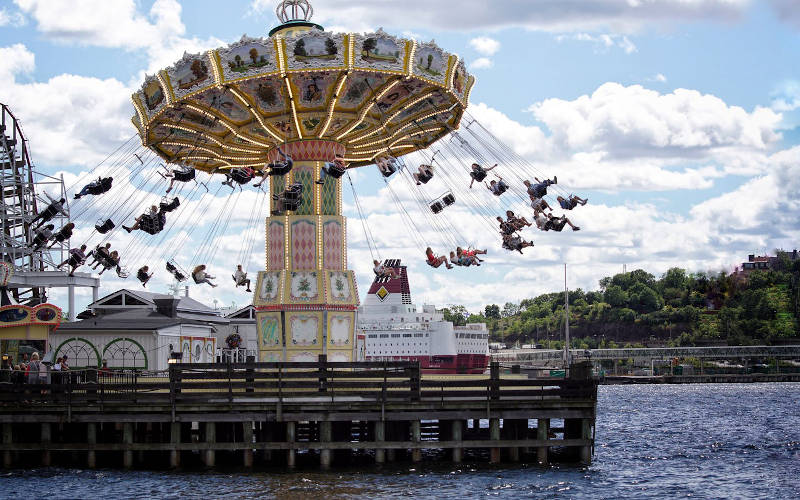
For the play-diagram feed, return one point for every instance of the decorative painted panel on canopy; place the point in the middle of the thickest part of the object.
(234, 106)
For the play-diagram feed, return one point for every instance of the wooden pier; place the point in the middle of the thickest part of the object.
(241, 415)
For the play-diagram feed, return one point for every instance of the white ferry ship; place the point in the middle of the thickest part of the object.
(391, 328)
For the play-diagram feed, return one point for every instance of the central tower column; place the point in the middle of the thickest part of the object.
(306, 298)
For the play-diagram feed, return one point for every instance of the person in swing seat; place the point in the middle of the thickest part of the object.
(471, 253)
(98, 187)
(175, 272)
(515, 243)
(506, 227)
(424, 174)
(466, 259)
(497, 187)
(199, 275)
(382, 271)
(539, 189)
(386, 164)
(240, 278)
(571, 202)
(334, 169)
(539, 205)
(516, 222)
(184, 173)
(42, 235)
(77, 257)
(478, 173)
(63, 234)
(435, 261)
(143, 276)
(278, 167)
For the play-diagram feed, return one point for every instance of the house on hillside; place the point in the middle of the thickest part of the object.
(764, 263)
(140, 330)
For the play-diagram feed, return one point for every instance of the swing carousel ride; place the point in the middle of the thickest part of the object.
(294, 112)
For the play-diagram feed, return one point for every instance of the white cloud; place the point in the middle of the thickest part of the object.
(633, 121)
(15, 60)
(619, 16)
(658, 77)
(14, 19)
(481, 63)
(484, 45)
(602, 42)
(787, 96)
(118, 24)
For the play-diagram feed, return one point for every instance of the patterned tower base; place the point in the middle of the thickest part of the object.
(306, 299)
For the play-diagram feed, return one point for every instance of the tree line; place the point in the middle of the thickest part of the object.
(636, 308)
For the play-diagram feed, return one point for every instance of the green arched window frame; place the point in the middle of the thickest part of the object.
(85, 341)
(123, 339)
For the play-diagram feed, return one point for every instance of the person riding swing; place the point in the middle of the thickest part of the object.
(424, 174)
(335, 169)
(151, 222)
(382, 271)
(497, 188)
(240, 175)
(98, 187)
(63, 234)
(435, 261)
(77, 257)
(143, 276)
(289, 199)
(387, 164)
(276, 168)
(175, 272)
(54, 208)
(200, 276)
(479, 173)
(240, 278)
(183, 173)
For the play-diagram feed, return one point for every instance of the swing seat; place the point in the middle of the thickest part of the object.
(176, 271)
(104, 226)
(152, 224)
(184, 175)
(502, 187)
(124, 273)
(479, 174)
(335, 171)
(280, 168)
(241, 175)
(424, 178)
(448, 199)
(169, 204)
(143, 277)
(390, 170)
(436, 207)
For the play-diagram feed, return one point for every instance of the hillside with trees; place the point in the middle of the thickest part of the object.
(636, 308)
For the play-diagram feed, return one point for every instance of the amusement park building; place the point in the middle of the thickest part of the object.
(140, 330)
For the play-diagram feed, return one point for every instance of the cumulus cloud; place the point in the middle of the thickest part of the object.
(481, 63)
(117, 24)
(484, 45)
(787, 96)
(630, 121)
(69, 119)
(619, 16)
(603, 42)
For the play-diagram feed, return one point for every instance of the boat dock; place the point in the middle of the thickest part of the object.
(289, 413)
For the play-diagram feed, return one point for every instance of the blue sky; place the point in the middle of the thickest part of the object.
(680, 120)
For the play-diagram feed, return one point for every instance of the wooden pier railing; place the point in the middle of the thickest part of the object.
(320, 407)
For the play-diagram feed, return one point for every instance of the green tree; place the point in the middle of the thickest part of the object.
(492, 311)
(509, 309)
(615, 296)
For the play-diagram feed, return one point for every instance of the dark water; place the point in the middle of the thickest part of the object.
(659, 441)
